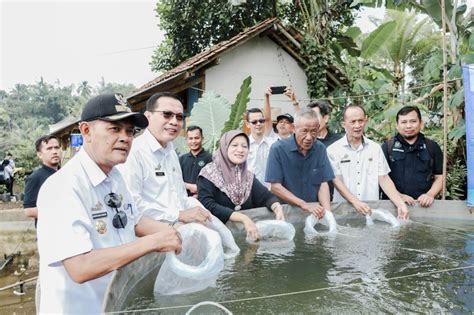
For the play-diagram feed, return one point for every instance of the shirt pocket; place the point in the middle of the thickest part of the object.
(398, 156)
(316, 176)
(423, 166)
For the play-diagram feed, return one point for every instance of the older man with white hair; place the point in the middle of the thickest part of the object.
(298, 167)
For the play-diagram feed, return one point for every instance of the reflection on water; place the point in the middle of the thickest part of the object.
(10, 300)
(362, 269)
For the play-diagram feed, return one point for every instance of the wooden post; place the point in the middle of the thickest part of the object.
(445, 99)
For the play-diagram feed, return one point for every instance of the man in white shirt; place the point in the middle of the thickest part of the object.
(261, 139)
(152, 170)
(360, 166)
(88, 222)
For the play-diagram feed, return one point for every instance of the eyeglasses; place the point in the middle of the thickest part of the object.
(114, 200)
(254, 122)
(169, 114)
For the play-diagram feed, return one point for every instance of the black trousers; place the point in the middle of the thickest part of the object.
(9, 186)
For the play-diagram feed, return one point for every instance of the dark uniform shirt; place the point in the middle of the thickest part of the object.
(330, 138)
(412, 166)
(33, 185)
(301, 175)
(327, 141)
(191, 165)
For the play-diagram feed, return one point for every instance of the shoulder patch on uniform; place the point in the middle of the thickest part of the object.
(98, 206)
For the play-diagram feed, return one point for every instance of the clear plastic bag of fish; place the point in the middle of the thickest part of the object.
(196, 267)
(274, 230)
(383, 216)
(230, 247)
(328, 220)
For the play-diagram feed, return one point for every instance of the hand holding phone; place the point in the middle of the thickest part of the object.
(278, 89)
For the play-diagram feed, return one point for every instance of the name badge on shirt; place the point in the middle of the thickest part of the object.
(158, 173)
(345, 161)
(99, 215)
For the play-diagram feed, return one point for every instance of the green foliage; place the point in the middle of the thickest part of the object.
(27, 111)
(325, 38)
(377, 39)
(239, 107)
(456, 175)
(193, 26)
(432, 69)
(210, 113)
(180, 145)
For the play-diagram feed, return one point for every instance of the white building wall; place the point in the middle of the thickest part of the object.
(259, 58)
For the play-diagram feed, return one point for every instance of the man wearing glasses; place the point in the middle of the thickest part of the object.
(152, 169)
(261, 139)
(88, 222)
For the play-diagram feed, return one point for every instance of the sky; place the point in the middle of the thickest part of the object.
(75, 41)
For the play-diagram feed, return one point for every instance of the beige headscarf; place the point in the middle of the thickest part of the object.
(233, 180)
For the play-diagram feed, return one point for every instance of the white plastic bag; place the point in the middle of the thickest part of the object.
(381, 215)
(274, 230)
(230, 247)
(198, 265)
(328, 220)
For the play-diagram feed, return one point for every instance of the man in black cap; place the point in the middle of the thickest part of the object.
(285, 126)
(88, 221)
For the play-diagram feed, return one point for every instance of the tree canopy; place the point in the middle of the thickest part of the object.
(193, 26)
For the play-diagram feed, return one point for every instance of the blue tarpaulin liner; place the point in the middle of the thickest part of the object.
(468, 73)
(76, 140)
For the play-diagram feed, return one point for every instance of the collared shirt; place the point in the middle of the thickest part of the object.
(154, 177)
(74, 219)
(258, 156)
(413, 165)
(191, 165)
(359, 168)
(302, 175)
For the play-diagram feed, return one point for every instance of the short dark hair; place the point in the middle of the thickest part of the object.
(324, 107)
(252, 110)
(191, 128)
(151, 103)
(408, 109)
(45, 139)
(352, 106)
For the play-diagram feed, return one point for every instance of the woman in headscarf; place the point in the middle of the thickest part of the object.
(225, 186)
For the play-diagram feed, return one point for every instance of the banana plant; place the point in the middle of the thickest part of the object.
(239, 107)
(210, 113)
(215, 115)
